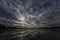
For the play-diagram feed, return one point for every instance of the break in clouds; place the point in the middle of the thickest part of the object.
(30, 13)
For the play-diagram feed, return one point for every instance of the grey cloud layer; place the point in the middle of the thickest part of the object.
(31, 9)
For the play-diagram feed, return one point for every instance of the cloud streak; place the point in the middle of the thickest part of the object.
(27, 12)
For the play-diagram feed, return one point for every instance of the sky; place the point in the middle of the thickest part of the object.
(32, 13)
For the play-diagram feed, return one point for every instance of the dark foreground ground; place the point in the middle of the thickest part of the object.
(11, 33)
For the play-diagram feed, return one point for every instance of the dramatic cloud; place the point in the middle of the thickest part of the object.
(28, 13)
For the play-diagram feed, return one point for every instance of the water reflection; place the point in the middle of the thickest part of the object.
(30, 34)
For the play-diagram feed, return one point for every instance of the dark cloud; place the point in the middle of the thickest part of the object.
(33, 10)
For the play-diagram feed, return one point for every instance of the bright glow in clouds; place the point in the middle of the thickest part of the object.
(27, 13)
(22, 19)
(26, 22)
